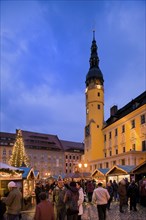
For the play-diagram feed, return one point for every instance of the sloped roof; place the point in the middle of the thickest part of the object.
(36, 173)
(120, 169)
(7, 167)
(102, 171)
(27, 172)
(141, 168)
(127, 109)
(70, 145)
(41, 141)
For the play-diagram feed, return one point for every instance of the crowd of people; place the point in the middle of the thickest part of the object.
(61, 200)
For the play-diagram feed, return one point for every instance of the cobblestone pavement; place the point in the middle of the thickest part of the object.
(90, 213)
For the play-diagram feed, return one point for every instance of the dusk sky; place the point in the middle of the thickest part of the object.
(45, 51)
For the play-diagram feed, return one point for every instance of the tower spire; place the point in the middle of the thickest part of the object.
(93, 35)
(94, 70)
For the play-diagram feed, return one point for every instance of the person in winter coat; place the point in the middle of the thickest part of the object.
(101, 197)
(89, 189)
(2, 209)
(13, 202)
(44, 210)
(115, 190)
(133, 193)
(81, 200)
(58, 200)
(71, 199)
(122, 194)
(110, 191)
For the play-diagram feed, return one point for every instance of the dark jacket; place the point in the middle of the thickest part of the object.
(71, 199)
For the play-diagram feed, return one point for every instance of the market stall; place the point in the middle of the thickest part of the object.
(99, 175)
(28, 186)
(119, 172)
(7, 174)
(139, 172)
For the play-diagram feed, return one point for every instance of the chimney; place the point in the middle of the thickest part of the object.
(113, 110)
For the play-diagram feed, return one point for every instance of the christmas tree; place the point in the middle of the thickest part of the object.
(19, 157)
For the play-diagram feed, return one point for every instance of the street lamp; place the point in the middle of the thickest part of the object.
(82, 165)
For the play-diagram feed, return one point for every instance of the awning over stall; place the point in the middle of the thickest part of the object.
(9, 172)
(28, 173)
(120, 170)
(100, 172)
(140, 169)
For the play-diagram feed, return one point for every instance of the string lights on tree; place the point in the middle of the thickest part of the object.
(19, 157)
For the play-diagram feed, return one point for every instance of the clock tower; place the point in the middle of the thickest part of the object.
(94, 93)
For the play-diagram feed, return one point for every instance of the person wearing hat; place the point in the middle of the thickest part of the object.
(13, 201)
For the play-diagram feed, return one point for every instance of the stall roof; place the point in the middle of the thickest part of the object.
(141, 168)
(36, 174)
(7, 167)
(103, 171)
(27, 172)
(120, 169)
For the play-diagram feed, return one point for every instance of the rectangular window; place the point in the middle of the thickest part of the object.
(143, 145)
(106, 164)
(133, 147)
(105, 138)
(98, 106)
(124, 149)
(110, 135)
(100, 166)
(114, 162)
(105, 155)
(123, 128)
(123, 162)
(98, 94)
(110, 153)
(116, 151)
(133, 124)
(116, 132)
(142, 119)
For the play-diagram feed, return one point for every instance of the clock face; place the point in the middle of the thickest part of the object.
(99, 86)
(87, 130)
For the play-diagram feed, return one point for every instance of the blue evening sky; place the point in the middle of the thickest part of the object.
(45, 51)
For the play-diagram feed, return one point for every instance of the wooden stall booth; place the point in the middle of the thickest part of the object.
(28, 186)
(139, 172)
(99, 175)
(7, 174)
(119, 172)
